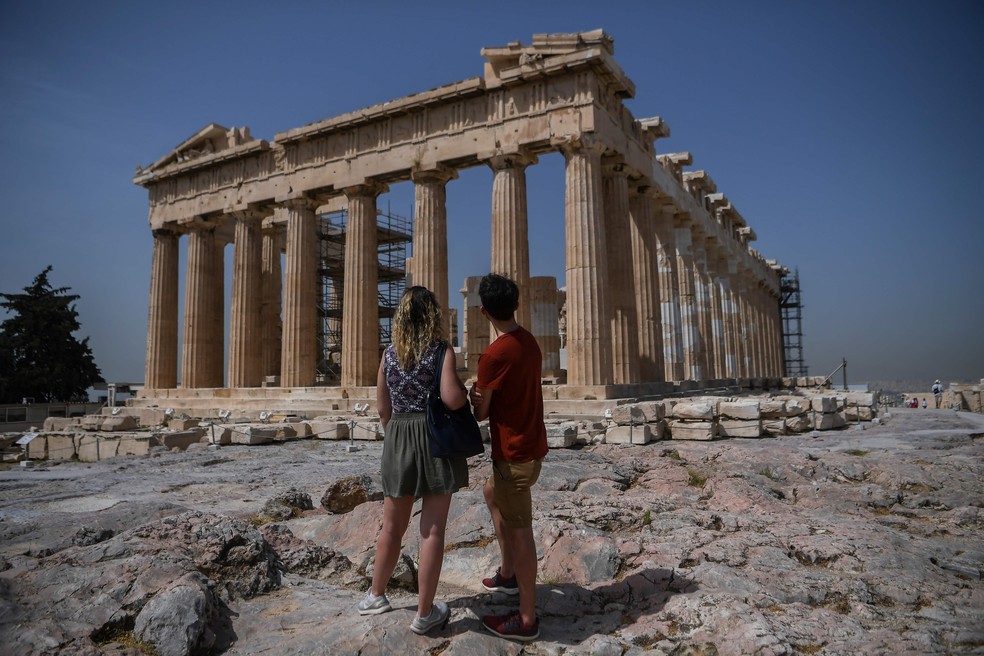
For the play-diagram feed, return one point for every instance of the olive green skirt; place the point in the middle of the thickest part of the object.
(408, 467)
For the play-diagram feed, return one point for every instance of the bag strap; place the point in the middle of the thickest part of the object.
(438, 366)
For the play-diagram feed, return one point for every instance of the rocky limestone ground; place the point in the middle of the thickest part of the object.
(853, 542)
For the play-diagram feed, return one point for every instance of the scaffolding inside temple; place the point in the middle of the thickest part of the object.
(791, 307)
(394, 234)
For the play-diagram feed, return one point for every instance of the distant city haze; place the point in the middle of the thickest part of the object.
(847, 135)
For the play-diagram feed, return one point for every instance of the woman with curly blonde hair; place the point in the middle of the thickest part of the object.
(409, 472)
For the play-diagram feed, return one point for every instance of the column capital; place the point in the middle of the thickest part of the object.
(368, 189)
(519, 159)
(248, 211)
(165, 232)
(200, 222)
(439, 174)
(580, 143)
(614, 165)
(299, 202)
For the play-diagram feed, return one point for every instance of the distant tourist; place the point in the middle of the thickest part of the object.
(938, 392)
(924, 404)
(406, 373)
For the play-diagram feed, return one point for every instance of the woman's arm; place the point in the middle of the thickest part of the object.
(452, 389)
(383, 403)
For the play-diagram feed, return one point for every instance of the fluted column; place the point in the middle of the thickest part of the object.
(669, 294)
(702, 302)
(744, 318)
(544, 315)
(726, 269)
(642, 235)
(510, 231)
(717, 312)
(162, 319)
(625, 335)
(298, 362)
(245, 352)
(272, 286)
(430, 231)
(476, 328)
(198, 329)
(588, 326)
(360, 305)
(689, 323)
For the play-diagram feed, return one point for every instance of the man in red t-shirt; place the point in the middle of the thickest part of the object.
(509, 395)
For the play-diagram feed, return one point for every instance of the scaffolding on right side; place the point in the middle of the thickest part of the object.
(792, 325)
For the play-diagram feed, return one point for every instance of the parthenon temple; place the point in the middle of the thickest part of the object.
(662, 284)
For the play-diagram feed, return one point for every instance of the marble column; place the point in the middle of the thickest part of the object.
(476, 328)
(702, 302)
(689, 321)
(197, 348)
(726, 269)
(717, 354)
(621, 291)
(430, 231)
(360, 304)
(245, 351)
(742, 336)
(588, 326)
(510, 229)
(162, 318)
(271, 283)
(544, 321)
(669, 293)
(298, 361)
(642, 235)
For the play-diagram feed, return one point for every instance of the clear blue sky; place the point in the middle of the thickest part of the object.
(849, 135)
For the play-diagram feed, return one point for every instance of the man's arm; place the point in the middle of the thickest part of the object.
(481, 400)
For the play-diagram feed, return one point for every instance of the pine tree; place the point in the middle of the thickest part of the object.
(39, 356)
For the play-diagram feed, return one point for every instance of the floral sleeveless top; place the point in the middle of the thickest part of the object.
(408, 388)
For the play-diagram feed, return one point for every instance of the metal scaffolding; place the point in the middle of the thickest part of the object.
(792, 325)
(394, 233)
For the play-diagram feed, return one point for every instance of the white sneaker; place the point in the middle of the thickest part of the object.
(373, 605)
(439, 615)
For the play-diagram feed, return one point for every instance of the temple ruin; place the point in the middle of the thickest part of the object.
(679, 296)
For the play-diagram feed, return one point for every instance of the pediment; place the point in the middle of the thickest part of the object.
(211, 139)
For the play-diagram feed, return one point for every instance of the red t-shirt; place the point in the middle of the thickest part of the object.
(510, 367)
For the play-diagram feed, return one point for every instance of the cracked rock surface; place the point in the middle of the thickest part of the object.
(855, 542)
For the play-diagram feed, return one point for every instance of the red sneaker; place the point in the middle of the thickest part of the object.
(511, 626)
(499, 584)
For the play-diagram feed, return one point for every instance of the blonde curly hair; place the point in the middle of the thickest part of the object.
(416, 325)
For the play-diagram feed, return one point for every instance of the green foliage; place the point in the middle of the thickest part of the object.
(40, 358)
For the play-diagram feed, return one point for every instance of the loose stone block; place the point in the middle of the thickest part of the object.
(561, 436)
(824, 404)
(132, 445)
(628, 415)
(852, 413)
(37, 449)
(108, 447)
(693, 430)
(285, 432)
(861, 398)
(796, 407)
(251, 435)
(798, 424)
(57, 423)
(773, 427)
(653, 411)
(367, 431)
(181, 424)
(179, 439)
(739, 409)
(640, 434)
(686, 410)
(772, 409)
(829, 421)
(740, 428)
(119, 423)
(329, 430)
(88, 448)
(61, 446)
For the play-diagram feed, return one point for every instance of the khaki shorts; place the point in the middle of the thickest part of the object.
(511, 483)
